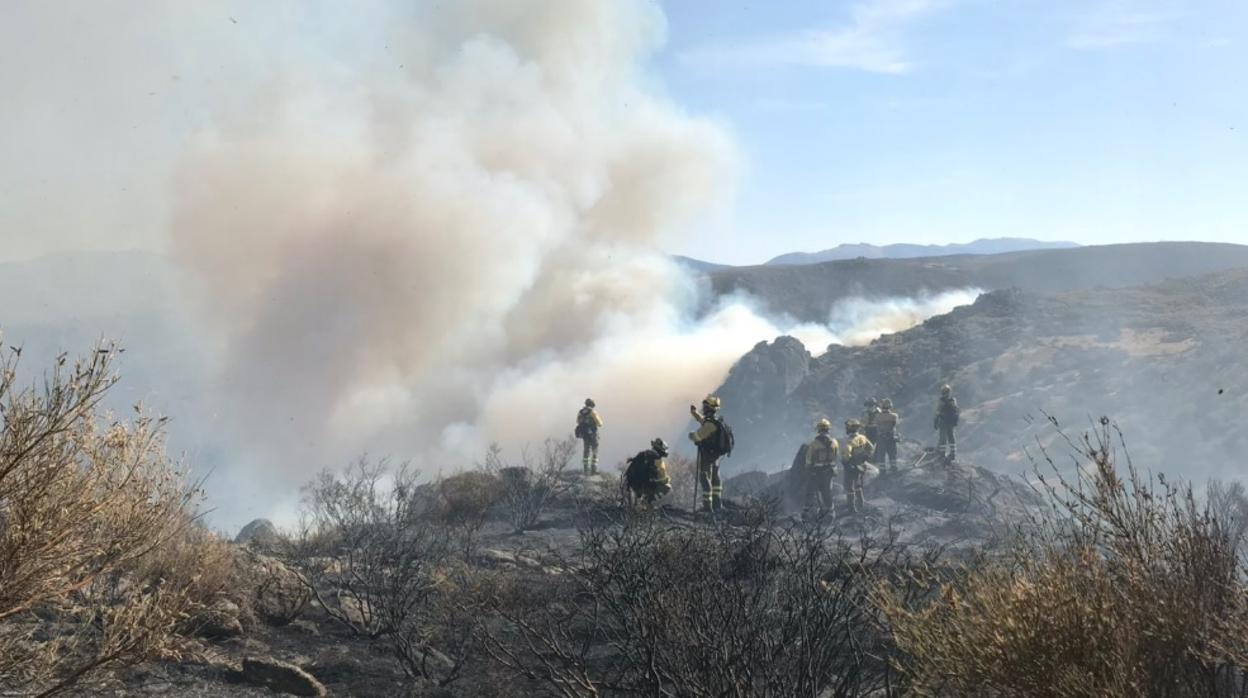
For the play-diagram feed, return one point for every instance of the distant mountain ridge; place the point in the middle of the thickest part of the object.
(908, 251)
(808, 292)
(698, 265)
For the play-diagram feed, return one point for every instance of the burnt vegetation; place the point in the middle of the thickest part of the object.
(523, 578)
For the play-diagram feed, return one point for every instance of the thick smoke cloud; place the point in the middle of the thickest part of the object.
(425, 261)
(392, 260)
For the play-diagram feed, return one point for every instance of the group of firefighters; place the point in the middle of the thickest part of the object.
(871, 440)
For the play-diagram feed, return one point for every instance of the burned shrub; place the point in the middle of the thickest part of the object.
(374, 561)
(652, 608)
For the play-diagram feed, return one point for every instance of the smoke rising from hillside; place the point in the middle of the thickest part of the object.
(857, 321)
(460, 253)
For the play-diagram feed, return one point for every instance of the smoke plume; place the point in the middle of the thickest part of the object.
(424, 262)
(392, 258)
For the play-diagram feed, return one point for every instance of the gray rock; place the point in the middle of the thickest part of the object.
(221, 621)
(281, 677)
(260, 532)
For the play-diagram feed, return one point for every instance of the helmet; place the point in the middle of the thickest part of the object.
(945, 389)
(659, 446)
(852, 425)
(887, 403)
(823, 425)
(869, 402)
(589, 402)
(711, 401)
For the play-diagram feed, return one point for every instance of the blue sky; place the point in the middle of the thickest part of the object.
(924, 121)
(935, 121)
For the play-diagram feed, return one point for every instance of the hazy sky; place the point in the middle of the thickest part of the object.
(879, 121)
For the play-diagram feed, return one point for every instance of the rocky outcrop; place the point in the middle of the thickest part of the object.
(1163, 361)
(260, 532)
(928, 503)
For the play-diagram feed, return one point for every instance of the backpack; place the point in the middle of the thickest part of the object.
(826, 442)
(721, 442)
(585, 426)
(861, 449)
(949, 411)
(641, 470)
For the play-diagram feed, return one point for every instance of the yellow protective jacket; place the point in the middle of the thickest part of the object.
(704, 432)
(858, 450)
(660, 473)
(821, 454)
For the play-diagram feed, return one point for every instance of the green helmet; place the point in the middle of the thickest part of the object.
(852, 425)
(589, 402)
(823, 425)
(887, 404)
(946, 390)
(659, 446)
(711, 402)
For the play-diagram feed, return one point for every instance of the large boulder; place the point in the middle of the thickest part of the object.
(260, 532)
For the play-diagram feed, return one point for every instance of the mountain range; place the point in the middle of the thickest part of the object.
(809, 292)
(907, 251)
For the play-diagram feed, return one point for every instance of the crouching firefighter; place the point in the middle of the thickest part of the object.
(714, 441)
(821, 466)
(646, 475)
(855, 456)
(588, 422)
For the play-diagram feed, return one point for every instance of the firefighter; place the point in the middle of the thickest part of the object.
(947, 414)
(870, 412)
(588, 422)
(714, 441)
(646, 475)
(855, 455)
(821, 457)
(886, 425)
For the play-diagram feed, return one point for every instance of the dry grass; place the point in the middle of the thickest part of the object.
(1129, 587)
(88, 504)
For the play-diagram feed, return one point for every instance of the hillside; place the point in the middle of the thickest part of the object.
(808, 292)
(905, 251)
(1165, 361)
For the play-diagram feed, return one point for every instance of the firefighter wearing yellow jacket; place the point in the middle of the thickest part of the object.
(821, 457)
(646, 475)
(855, 455)
(714, 440)
(588, 422)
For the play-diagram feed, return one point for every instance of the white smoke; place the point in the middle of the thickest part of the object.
(425, 261)
(396, 261)
(859, 320)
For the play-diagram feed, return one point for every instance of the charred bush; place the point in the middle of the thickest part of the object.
(652, 608)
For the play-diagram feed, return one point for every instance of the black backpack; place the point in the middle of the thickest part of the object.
(950, 412)
(585, 426)
(720, 444)
(641, 469)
